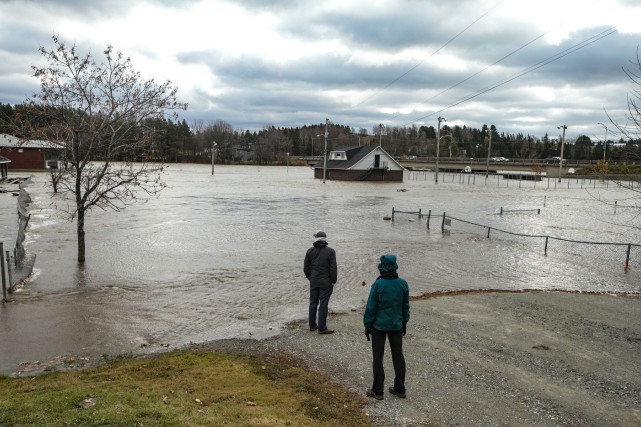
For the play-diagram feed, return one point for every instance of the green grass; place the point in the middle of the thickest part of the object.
(182, 388)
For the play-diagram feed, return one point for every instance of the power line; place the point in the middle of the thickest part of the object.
(484, 69)
(432, 54)
(491, 65)
(528, 70)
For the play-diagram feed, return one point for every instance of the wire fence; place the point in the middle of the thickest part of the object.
(577, 252)
(529, 180)
(589, 254)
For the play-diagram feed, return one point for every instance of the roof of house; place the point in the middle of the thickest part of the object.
(10, 141)
(4, 160)
(354, 155)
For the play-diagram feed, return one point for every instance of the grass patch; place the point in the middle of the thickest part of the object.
(182, 388)
(604, 169)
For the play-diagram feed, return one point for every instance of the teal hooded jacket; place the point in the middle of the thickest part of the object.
(388, 305)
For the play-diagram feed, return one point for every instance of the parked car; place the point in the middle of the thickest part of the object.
(553, 160)
(500, 159)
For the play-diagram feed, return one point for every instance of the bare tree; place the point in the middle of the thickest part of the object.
(95, 112)
(632, 129)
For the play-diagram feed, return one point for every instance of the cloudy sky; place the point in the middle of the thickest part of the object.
(522, 65)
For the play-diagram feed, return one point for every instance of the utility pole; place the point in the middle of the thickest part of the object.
(213, 153)
(380, 134)
(438, 142)
(489, 150)
(564, 127)
(325, 155)
(605, 141)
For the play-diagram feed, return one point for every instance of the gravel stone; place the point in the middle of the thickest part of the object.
(491, 359)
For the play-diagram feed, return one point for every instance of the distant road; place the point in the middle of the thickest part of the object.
(459, 164)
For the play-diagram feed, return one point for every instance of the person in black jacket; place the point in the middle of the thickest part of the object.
(321, 271)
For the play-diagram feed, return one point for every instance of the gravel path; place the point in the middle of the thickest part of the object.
(492, 359)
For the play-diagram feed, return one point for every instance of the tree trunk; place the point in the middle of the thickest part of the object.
(81, 235)
(54, 180)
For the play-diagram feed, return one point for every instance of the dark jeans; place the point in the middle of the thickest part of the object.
(319, 299)
(398, 360)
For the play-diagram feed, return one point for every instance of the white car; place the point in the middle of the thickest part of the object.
(554, 160)
(500, 159)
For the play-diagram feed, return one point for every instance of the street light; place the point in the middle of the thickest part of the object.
(325, 155)
(438, 141)
(489, 149)
(564, 127)
(213, 153)
(605, 141)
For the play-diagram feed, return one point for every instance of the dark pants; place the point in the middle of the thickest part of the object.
(319, 300)
(398, 360)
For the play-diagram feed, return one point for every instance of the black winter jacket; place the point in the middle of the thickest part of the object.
(320, 265)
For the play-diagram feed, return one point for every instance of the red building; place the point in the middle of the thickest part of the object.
(29, 155)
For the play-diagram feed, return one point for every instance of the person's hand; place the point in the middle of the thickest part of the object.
(367, 332)
(404, 328)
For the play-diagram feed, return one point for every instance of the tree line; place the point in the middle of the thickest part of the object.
(177, 142)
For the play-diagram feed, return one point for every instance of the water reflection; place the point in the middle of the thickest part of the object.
(221, 256)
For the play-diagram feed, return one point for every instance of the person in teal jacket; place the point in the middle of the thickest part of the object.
(386, 316)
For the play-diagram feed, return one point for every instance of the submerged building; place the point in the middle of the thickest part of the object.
(362, 163)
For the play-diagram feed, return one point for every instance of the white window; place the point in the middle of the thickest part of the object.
(338, 155)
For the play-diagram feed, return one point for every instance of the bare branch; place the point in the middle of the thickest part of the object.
(95, 112)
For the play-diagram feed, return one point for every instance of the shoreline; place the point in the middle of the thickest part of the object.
(543, 358)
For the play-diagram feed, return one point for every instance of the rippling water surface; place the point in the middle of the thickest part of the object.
(221, 256)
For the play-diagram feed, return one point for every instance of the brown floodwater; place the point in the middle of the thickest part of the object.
(221, 256)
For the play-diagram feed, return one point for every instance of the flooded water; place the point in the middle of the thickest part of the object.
(221, 256)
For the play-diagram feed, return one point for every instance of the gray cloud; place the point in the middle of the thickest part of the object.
(252, 90)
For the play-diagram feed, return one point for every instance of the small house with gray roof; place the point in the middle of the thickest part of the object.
(362, 163)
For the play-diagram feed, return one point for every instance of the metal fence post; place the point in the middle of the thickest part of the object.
(4, 280)
(546, 245)
(392, 213)
(429, 214)
(9, 271)
(443, 223)
(627, 258)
